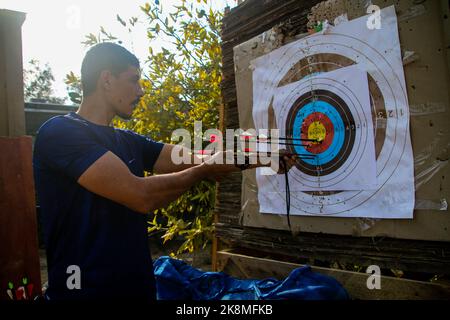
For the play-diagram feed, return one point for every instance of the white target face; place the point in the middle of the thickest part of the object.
(347, 88)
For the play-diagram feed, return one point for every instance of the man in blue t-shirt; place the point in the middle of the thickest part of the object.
(91, 186)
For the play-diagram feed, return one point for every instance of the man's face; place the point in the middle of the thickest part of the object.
(125, 92)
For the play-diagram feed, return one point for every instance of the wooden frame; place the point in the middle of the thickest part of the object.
(244, 266)
(243, 23)
(409, 256)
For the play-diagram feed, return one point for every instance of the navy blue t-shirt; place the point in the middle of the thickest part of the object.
(105, 239)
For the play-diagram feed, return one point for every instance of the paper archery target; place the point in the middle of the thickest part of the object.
(291, 92)
(323, 116)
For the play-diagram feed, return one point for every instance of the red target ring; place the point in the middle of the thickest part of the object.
(317, 126)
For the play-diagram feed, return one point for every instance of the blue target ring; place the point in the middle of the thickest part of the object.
(342, 125)
(339, 131)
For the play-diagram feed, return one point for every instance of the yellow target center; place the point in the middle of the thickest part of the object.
(317, 131)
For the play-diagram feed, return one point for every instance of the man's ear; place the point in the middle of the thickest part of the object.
(105, 79)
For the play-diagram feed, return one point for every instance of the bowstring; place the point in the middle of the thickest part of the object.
(287, 192)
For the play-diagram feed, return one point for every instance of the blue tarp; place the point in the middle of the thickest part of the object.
(176, 280)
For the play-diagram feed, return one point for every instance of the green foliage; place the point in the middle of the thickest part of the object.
(182, 85)
(183, 82)
(73, 83)
(102, 36)
(38, 83)
(190, 217)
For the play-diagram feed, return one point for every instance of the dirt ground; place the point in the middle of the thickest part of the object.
(200, 260)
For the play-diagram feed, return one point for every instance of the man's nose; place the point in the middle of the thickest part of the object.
(139, 92)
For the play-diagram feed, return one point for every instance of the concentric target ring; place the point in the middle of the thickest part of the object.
(387, 90)
(337, 117)
(317, 126)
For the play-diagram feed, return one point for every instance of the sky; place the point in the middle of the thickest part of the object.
(53, 30)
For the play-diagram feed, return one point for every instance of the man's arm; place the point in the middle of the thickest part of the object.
(109, 177)
(164, 163)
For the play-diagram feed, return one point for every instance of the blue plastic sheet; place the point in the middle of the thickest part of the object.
(176, 280)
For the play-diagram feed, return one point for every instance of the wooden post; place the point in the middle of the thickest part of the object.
(12, 115)
(19, 257)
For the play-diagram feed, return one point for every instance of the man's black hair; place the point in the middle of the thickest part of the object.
(104, 56)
